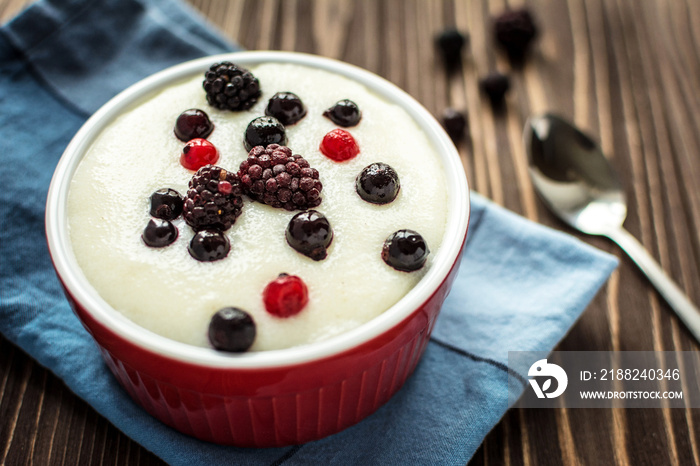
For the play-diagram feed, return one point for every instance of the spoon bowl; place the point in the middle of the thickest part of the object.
(574, 179)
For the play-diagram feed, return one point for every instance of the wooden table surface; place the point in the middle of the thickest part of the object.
(627, 71)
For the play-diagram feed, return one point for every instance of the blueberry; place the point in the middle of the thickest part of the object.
(231, 329)
(405, 250)
(310, 233)
(264, 131)
(159, 233)
(209, 246)
(193, 123)
(166, 203)
(378, 183)
(344, 113)
(287, 107)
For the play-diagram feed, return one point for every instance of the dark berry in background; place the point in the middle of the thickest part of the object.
(310, 233)
(159, 233)
(230, 87)
(378, 183)
(193, 123)
(166, 203)
(264, 131)
(232, 329)
(495, 86)
(344, 113)
(287, 107)
(209, 246)
(450, 44)
(405, 250)
(455, 123)
(515, 30)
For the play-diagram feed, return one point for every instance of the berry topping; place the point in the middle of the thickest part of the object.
(287, 107)
(515, 30)
(213, 200)
(193, 123)
(198, 153)
(405, 250)
(378, 183)
(450, 43)
(454, 122)
(159, 233)
(231, 87)
(339, 145)
(495, 85)
(344, 113)
(264, 131)
(231, 329)
(273, 176)
(166, 203)
(285, 296)
(209, 246)
(310, 233)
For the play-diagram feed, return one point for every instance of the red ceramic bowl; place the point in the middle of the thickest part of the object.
(270, 398)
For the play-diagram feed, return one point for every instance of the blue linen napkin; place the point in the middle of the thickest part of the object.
(520, 286)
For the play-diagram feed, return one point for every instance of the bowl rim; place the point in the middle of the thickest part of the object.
(77, 285)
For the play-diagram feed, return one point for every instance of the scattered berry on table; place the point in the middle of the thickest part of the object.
(209, 246)
(339, 145)
(405, 250)
(455, 123)
(515, 31)
(213, 200)
(193, 123)
(378, 183)
(264, 131)
(159, 233)
(273, 176)
(287, 107)
(344, 113)
(495, 85)
(285, 296)
(166, 203)
(231, 87)
(198, 153)
(310, 233)
(450, 43)
(232, 329)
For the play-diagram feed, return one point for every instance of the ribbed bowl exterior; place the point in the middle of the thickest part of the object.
(270, 407)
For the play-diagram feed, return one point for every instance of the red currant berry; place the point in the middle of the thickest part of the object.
(339, 145)
(285, 296)
(198, 153)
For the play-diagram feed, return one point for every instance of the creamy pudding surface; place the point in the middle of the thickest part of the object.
(167, 291)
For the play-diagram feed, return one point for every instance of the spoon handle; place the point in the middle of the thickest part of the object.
(680, 303)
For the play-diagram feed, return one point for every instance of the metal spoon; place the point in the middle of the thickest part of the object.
(575, 180)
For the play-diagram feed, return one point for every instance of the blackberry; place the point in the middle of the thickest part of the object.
(213, 200)
(273, 176)
(515, 30)
(231, 87)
